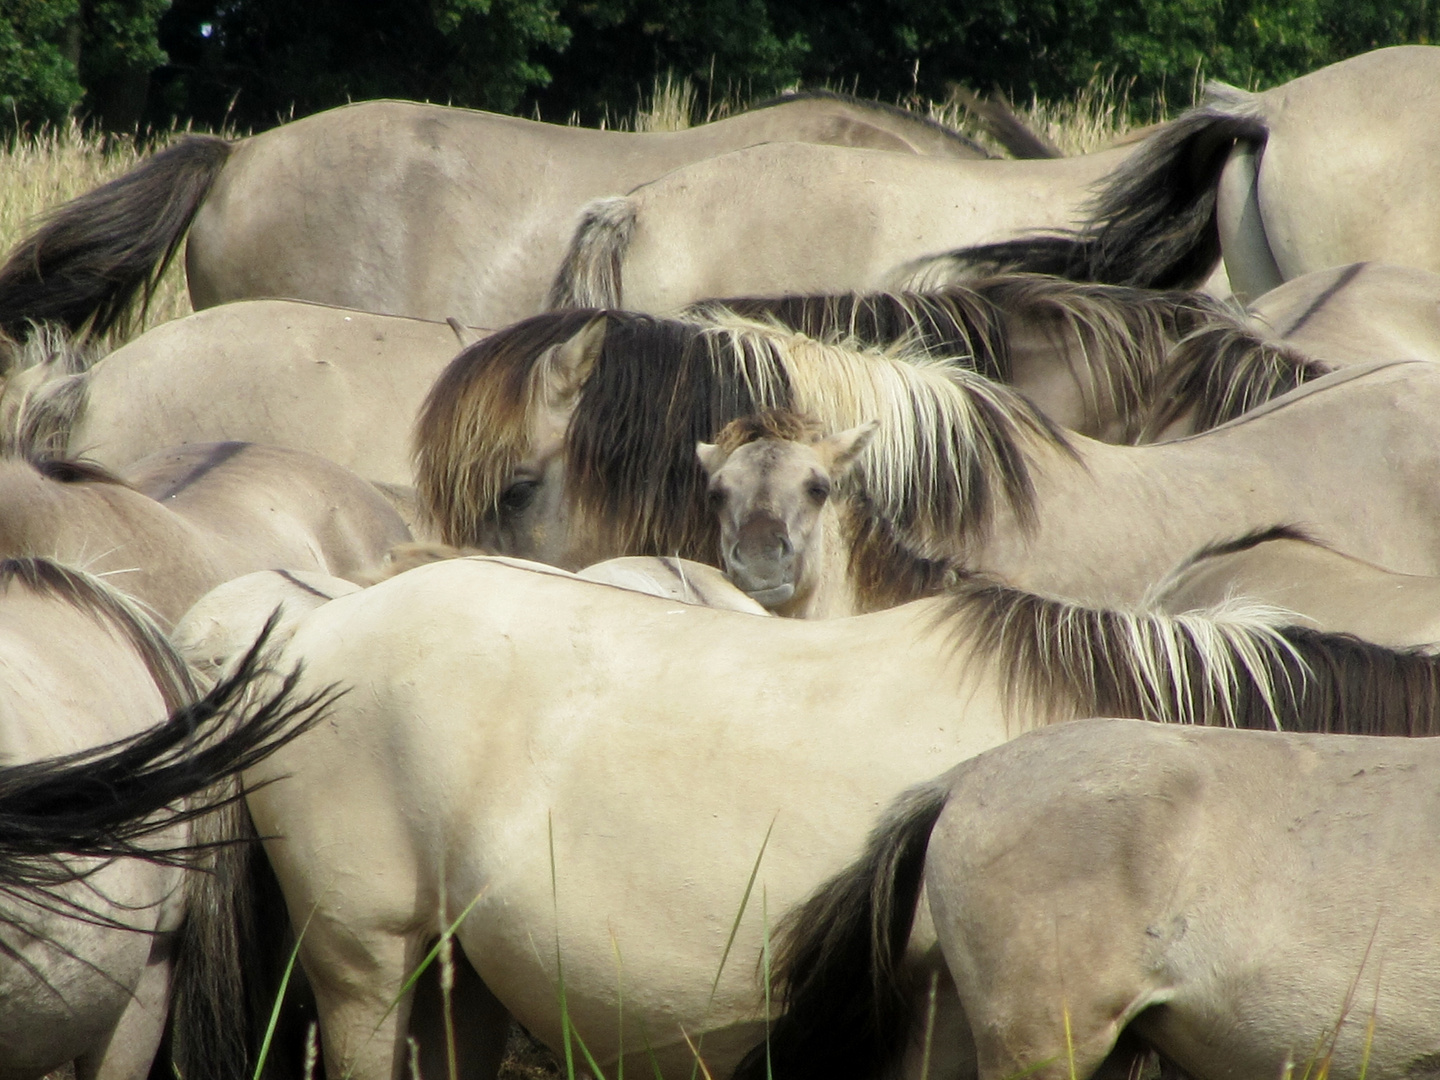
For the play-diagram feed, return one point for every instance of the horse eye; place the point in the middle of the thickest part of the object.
(715, 498)
(518, 496)
(818, 490)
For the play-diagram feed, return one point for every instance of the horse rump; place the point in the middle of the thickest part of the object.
(1151, 223)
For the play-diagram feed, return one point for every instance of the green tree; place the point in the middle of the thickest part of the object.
(39, 46)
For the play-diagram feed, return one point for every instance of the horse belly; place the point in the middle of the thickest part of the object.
(65, 982)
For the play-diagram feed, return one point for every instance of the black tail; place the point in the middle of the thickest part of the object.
(107, 801)
(87, 262)
(1152, 223)
(837, 973)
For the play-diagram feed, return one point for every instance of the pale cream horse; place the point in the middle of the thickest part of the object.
(793, 218)
(176, 524)
(1323, 588)
(336, 382)
(1245, 903)
(1335, 167)
(92, 949)
(596, 784)
(387, 206)
(589, 458)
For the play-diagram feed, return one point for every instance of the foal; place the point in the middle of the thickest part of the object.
(791, 537)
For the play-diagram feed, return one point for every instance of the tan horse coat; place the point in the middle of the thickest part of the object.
(665, 754)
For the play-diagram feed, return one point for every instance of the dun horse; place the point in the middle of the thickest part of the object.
(1353, 145)
(386, 206)
(470, 747)
(1247, 903)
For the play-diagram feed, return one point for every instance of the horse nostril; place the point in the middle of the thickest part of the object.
(783, 543)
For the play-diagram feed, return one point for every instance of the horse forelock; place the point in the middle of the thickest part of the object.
(782, 424)
(476, 423)
(659, 387)
(1234, 665)
(117, 612)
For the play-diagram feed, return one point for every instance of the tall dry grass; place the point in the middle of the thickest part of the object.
(43, 170)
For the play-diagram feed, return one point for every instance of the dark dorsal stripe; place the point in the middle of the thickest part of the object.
(218, 455)
(1340, 283)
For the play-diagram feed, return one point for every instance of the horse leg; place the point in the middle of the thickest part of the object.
(128, 1052)
(479, 1024)
(359, 981)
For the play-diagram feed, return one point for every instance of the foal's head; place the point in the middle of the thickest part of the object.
(772, 480)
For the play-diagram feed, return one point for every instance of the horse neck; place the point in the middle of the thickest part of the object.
(1113, 522)
(1049, 365)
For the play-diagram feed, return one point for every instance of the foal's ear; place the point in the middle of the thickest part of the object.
(569, 363)
(711, 457)
(840, 450)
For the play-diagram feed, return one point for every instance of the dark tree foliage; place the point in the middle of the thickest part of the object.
(253, 62)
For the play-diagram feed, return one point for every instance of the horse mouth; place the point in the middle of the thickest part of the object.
(773, 596)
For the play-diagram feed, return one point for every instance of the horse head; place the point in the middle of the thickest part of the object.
(772, 481)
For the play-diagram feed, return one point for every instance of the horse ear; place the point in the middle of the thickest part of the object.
(840, 450)
(570, 362)
(711, 458)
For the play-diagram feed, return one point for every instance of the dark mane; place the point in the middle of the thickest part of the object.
(1219, 373)
(876, 106)
(1059, 661)
(659, 387)
(884, 571)
(112, 609)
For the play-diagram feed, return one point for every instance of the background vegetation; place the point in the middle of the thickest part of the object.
(249, 63)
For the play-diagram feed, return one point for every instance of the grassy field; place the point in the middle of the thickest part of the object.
(42, 171)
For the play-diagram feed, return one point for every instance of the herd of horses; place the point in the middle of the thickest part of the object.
(548, 577)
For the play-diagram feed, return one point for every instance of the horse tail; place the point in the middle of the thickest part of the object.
(1152, 222)
(85, 264)
(847, 1003)
(590, 275)
(235, 939)
(1221, 372)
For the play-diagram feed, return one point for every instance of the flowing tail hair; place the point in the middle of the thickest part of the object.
(90, 258)
(838, 974)
(1152, 221)
(591, 274)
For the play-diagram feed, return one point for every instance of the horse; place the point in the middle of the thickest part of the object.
(786, 531)
(544, 445)
(97, 942)
(476, 740)
(387, 206)
(335, 382)
(1108, 883)
(176, 524)
(1299, 178)
(1324, 588)
(788, 218)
